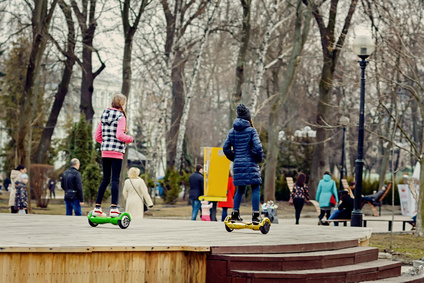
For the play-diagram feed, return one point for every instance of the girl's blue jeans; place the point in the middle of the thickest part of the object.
(256, 193)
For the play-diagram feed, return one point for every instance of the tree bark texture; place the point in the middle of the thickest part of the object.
(176, 25)
(129, 31)
(331, 50)
(302, 26)
(187, 102)
(260, 65)
(41, 18)
(62, 91)
(241, 59)
(87, 24)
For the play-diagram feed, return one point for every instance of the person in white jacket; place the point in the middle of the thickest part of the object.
(136, 194)
(14, 176)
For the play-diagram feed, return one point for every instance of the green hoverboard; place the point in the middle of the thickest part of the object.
(123, 220)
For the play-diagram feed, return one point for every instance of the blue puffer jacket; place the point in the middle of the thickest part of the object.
(326, 188)
(244, 148)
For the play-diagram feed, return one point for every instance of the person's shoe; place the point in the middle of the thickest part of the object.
(114, 211)
(97, 211)
(319, 222)
(326, 223)
(235, 216)
(256, 218)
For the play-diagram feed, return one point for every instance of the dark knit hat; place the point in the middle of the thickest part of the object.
(243, 112)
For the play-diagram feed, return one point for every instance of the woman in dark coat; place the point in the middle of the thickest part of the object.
(244, 148)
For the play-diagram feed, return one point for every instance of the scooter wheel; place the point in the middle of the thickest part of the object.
(92, 224)
(124, 222)
(265, 229)
(228, 228)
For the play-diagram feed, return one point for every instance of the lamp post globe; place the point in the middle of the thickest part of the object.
(363, 46)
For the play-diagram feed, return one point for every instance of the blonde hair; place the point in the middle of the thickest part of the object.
(118, 101)
(133, 172)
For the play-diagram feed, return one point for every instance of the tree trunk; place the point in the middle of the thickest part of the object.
(46, 136)
(420, 209)
(187, 102)
(129, 32)
(331, 47)
(300, 36)
(177, 108)
(87, 89)
(241, 59)
(319, 159)
(87, 24)
(260, 65)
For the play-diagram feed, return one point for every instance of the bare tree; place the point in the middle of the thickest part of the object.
(177, 23)
(86, 17)
(301, 31)
(331, 48)
(62, 91)
(241, 59)
(189, 93)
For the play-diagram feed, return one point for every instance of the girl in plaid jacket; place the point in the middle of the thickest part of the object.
(111, 134)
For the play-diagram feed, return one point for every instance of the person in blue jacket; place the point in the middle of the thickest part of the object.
(244, 148)
(326, 188)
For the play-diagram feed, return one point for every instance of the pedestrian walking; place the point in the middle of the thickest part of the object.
(72, 186)
(229, 203)
(300, 195)
(196, 190)
(136, 194)
(14, 177)
(326, 188)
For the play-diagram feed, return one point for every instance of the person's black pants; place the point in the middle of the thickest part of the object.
(324, 212)
(111, 167)
(298, 205)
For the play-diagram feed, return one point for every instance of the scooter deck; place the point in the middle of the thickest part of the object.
(264, 226)
(122, 220)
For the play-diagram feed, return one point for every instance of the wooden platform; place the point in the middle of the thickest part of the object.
(39, 248)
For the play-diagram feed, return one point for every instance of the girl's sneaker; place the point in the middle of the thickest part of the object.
(235, 216)
(114, 211)
(97, 211)
(256, 217)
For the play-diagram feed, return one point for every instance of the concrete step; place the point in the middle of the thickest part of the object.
(373, 270)
(399, 279)
(294, 261)
(289, 248)
(219, 266)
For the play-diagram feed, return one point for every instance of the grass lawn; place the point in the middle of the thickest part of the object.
(405, 247)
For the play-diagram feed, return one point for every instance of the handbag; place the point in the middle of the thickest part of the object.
(145, 206)
(332, 201)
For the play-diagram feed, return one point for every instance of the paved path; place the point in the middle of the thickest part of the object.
(46, 232)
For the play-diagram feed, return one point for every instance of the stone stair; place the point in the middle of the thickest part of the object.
(313, 262)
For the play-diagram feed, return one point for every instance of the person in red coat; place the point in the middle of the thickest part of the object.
(230, 198)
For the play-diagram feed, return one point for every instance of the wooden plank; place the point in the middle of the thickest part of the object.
(347, 187)
(290, 183)
(316, 205)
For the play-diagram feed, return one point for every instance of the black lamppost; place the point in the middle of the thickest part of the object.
(344, 121)
(363, 46)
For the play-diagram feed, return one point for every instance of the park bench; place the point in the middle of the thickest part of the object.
(344, 221)
(378, 202)
(403, 219)
(389, 220)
